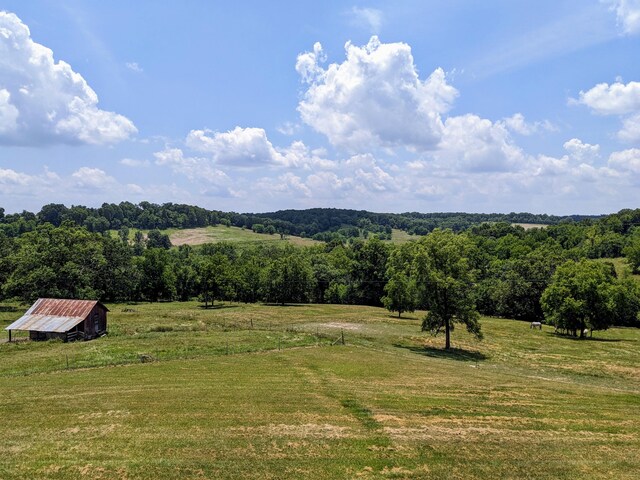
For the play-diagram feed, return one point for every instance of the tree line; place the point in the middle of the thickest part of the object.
(324, 224)
(559, 274)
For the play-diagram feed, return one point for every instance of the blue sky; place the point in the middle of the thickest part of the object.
(457, 105)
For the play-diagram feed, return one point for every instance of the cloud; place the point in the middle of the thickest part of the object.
(45, 102)
(240, 147)
(374, 98)
(517, 124)
(288, 128)
(359, 178)
(574, 30)
(626, 160)
(134, 67)
(11, 177)
(475, 144)
(15, 185)
(194, 168)
(8, 114)
(250, 148)
(88, 178)
(614, 99)
(630, 131)
(628, 15)
(308, 64)
(133, 163)
(369, 18)
(582, 152)
(135, 189)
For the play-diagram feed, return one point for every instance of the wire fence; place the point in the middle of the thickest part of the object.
(269, 338)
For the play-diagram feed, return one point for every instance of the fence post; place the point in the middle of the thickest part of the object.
(342, 335)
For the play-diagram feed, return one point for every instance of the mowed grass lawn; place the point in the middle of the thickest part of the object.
(268, 392)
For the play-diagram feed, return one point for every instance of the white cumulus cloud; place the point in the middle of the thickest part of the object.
(88, 178)
(626, 160)
(11, 177)
(518, 124)
(194, 168)
(374, 98)
(43, 101)
(471, 143)
(630, 131)
(580, 151)
(240, 147)
(251, 148)
(8, 114)
(614, 99)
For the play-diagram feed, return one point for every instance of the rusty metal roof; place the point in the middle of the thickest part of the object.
(54, 315)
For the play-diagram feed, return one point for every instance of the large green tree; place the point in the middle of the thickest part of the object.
(579, 297)
(401, 294)
(369, 274)
(288, 279)
(215, 275)
(446, 278)
(512, 288)
(56, 262)
(157, 276)
(632, 250)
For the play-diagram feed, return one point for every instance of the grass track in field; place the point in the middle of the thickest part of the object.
(389, 404)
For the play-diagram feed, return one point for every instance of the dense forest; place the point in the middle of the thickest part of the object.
(323, 224)
(560, 273)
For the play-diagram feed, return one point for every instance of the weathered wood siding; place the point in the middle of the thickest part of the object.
(96, 322)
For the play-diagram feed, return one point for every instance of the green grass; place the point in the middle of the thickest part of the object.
(220, 233)
(400, 236)
(286, 399)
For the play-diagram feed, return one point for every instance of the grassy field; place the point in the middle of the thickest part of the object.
(529, 226)
(220, 233)
(258, 391)
(400, 236)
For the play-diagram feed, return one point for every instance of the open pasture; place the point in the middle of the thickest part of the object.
(221, 233)
(257, 391)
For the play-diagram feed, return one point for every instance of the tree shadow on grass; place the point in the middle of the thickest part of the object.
(217, 307)
(451, 354)
(587, 339)
(403, 317)
(285, 305)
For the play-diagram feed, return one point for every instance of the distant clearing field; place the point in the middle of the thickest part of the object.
(621, 265)
(529, 226)
(266, 392)
(199, 236)
(220, 233)
(400, 236)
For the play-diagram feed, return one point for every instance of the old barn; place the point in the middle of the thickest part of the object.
(67, 320)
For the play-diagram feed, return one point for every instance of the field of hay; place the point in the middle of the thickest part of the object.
(220, 233)
(259, 391)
